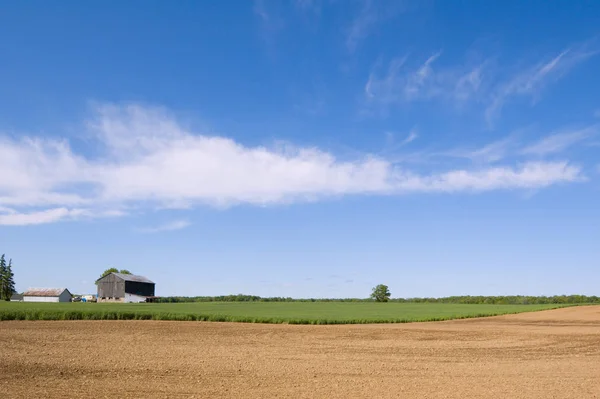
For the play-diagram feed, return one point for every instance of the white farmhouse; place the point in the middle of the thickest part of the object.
(47, 295)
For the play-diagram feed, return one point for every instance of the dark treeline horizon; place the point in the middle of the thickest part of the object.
(464, 299)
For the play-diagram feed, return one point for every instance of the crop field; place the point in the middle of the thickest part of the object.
(260, 312)
(549, 354)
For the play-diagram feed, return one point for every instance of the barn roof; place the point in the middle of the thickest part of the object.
(133, 277)
(44, 291)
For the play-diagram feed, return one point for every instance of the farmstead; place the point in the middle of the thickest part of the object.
(118, 287)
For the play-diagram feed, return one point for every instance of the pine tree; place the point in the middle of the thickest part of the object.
(3, 281)
(10, 281)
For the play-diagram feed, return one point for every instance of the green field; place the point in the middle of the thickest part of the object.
(260, 312)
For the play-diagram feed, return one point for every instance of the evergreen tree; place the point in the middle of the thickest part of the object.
(3, 275)
(10, 282)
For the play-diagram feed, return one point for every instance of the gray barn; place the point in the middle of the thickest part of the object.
(117, 287)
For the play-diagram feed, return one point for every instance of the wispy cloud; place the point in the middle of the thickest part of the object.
(412, 136)
(489, 153)
(171, 226)
(482, 82)
(402, 83)
(371, 13)
(149, 161)
(46, 216)
(513, 147)
(393, 145)
(533, 80)
(11, 217)
(416, 81)
(260, 9)
(560, 141)
(313, 6)
(270, 19)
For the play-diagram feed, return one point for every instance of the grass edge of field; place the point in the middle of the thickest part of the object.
(50, 315)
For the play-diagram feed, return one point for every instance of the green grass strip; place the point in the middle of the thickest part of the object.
(274, 313)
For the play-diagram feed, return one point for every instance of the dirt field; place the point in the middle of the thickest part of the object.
(551, 354)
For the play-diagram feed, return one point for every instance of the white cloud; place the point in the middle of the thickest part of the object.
(41, 217)
(527, 176)
(148, 160)
(11, 217)
(560, 141)
(171, 226)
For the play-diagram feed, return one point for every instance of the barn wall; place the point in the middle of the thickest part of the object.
(40, 299)
(111, 287)
(138, 288)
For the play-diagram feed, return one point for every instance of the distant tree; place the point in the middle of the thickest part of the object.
(381, 293)
(125, 271)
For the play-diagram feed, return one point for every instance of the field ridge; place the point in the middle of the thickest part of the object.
(269, 313)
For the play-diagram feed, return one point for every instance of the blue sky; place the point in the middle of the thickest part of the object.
(303, 148)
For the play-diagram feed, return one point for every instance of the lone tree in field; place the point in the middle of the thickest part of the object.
(114, 270)
(7, 279)
(381, 293)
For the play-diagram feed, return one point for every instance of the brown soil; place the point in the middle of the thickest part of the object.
(552, 354)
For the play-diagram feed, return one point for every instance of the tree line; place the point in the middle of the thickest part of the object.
(491, 300)
(7, 279)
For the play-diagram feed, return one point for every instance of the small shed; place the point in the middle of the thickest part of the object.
(47, 295)
(16, 298)
(117, 287)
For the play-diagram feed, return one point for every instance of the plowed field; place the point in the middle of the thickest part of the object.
(550, 354)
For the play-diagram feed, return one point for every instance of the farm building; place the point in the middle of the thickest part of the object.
(47, 295)
(117, 287)
(16, 298)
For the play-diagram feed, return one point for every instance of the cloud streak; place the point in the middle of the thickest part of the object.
(371, 13)
(171, 226)
(401, 83)
(147, 160)
(560, 141)
(533, 80)
(511, 147)
(483, 83)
